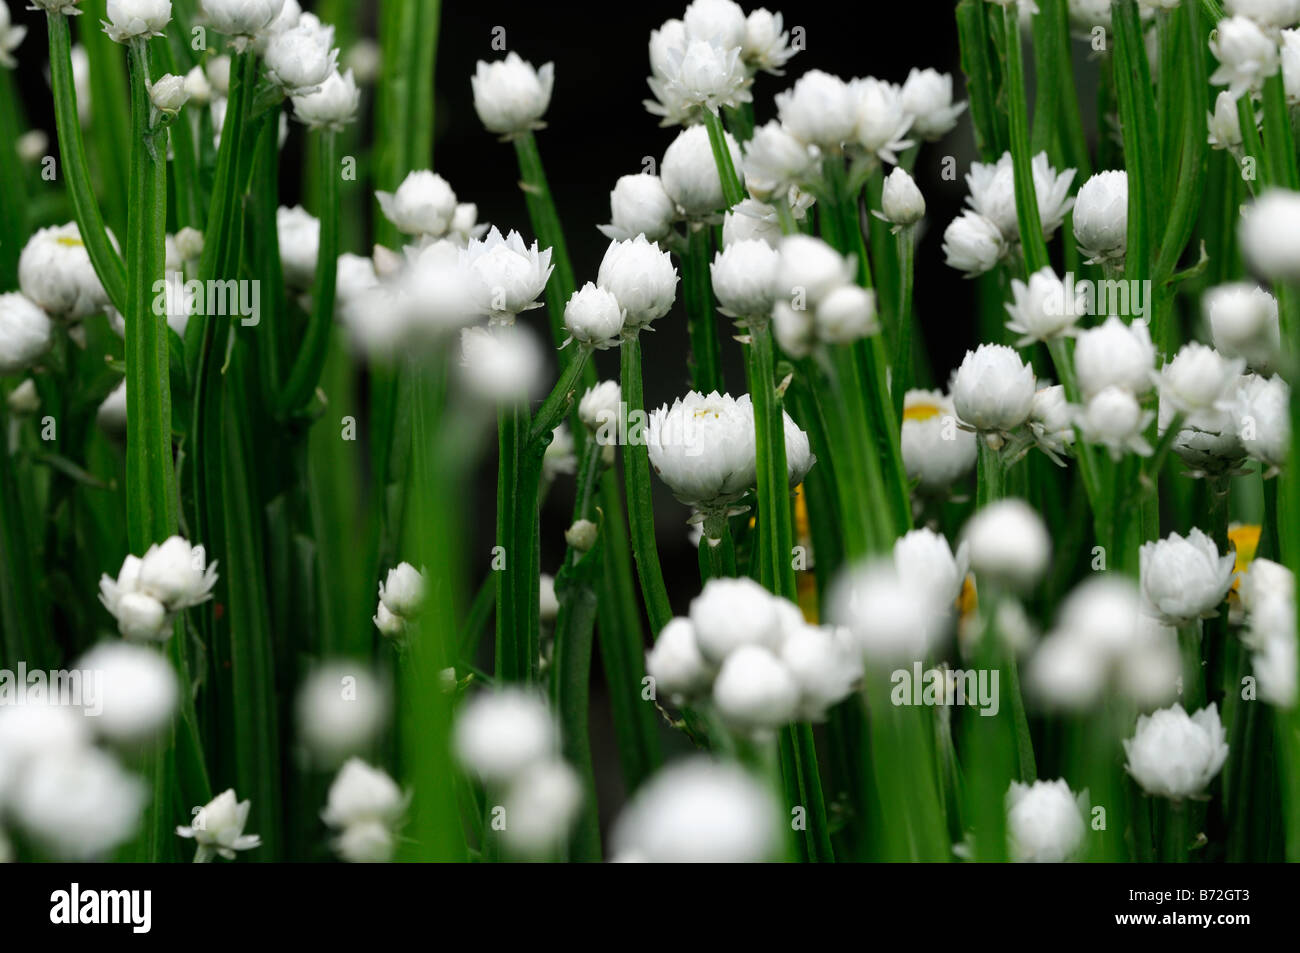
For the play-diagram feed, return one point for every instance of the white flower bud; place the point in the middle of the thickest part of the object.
(593, 317)
(1247, 55)
(973, 244)
(882, 120)
(136, 19)
(23, 400)
(1114, 353)
(1051, 421)
(511, 275)
(423, 204)
(1270, 235)
(927, 97)
(499, 734)
(168, 94)
(744, 279)
(1101, 217)
(402, 592)
(177, 574)
(1040, 311)
(846, 314)
(718, 21)
(361, 794)
(581, 535)
(690, 175)
(332, 106)
(900, 200)
(510, 96)
(1008, 543)
(341, 709)
(810, 270)
(218, 827)
(1243, 321)
(1198, 377)
(638, 205)
(197, 86)
(1174, 755)
(775, 160)
(679, 671)
(766, 45)
(10, 38)
(886, 614)
(1114, 418)
(241, 18)
(751, 219)
(299, 239)
(754, 692)
(600, 406)
(1225, 123)
(993, 389)
(189, 244)
(1044, 822)
(642, 277)
(731, 613)
(302, 57)
(25, 333)
(819, 109)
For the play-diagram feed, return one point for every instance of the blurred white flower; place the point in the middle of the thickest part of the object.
(1198, 378)
(744, 280)
(25, 333)
(136, 690)
(889, 618)
(1113, 418)
(1243, 321)
(927, 97)
(993, 194)
(1269, 232)
(299, 239)
(767, 43)
(1045, 822)
(1260, 412)
(301, 58)
(541, 805)
(424, 204)
(679, 670)
(78, 804)
(364, 804)
(135, 19)
(499, 734)
(936, 451)
(731, 613)
(1174, 755)
(754, 691)
(1008, 544)
(332, 105)
(501, 363)
(775, 160)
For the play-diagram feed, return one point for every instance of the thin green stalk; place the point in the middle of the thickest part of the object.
(1137, 122)
(773, 479)
(1013, 81)
(981, 80)
(510, 666)
(13, 209)
(903, 347)
(732, 189)
(1189, 645)
(550, 234)
(701, 322)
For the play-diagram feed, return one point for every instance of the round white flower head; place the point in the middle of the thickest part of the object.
(1184, 579)
(936, 452)
(198, 87)
(218, 828)
(1040, 311)
(511, 275)
(754, 692)
(901, 202)
(717, 21)
(510, 96)
(1101, 217)
(541, 806)
(332, 106)
(844, 315)
(1008, 544)
(168, 94)
(775, 160)
(699, 811)
(1225, 123)
(402, 592)
(299, 239)
(819, 109)
(424, 204)
(355, 276)
(32, 729)
(744, 280)
(341, 708)
(593, 317)
(927, 97)
(702, 447)
(1270, 235)
(501, 363)
(1261, 418)
(767, 43)
(1113, 418)
(751, 219)
(690, 176)
(1174, 755)
(925, 561)
(993, 389)
(825, 666)
(638, 205)
(1267, 13)
(136, 19)
(1051, 421)
(77, 804)
(1246, 53)
(25, 333)
(700, 75)
(10, 38)
(731, 613)
(882, 119)
(55, 272)
(548, 605)
(499, 734)
(1198, 378)
(302, 57)
(888, 617)
(675, 663)
(177, 574)
(993, 194)
(1044, 822)
(809, 270)
(360, 793)
(642, 277)
(1114, 353)
(973, 244)
(135, 690)
(242, 19)
(600, 406)
(1243, 321)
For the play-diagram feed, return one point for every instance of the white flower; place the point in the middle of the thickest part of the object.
(1247, 55)
(390, 626)
(1207, 441)
(845, 315)
(299, 239)
(927, 97)
(501, 363)
(197, 86)
(889, 618)
(1274, 664)
(10, 37)
(882, 119)
(354, 276)
(1114, 353)
(1113, 418)
(638, 205)
(1267, 13)
(973, 244)
(559, 457)
(581, 536)
(1174, 755)
(168, 94)
(402, 592)
(1291, 65)
(332, 106)
(700, 74)
(78, 804)
(993, 194)
(1101, 217)
(819, 109)
(217, 69)
(1040, 310)
(1244, 323)
(302, 57)
(775, 160)
(1008, 543)
(925, 561)
(754, 692)
(510, 96)
(731, 613)
(55, 272)
(540, 808)
(690, 175)
(341, 708)
(810, 270)
(424, 204)
(751, 219)
(23, 400)
(1051, 421)
(936, 452)
(1225, 123)
(499, 734)
(361, 793)
(699, 811)
(136, 19)
(1198, 377)
(993, 389)
(675, 663)
(601, 406)
(1184, 579)
(702, 447)
(744, 279)
(1044, 822)
(825, 666)
(767, 44)
(1261, 418)
(25, 333)
(218, 828)
(135, 690)
(718, 21)
(32, 729)
(901, 201)
(1270, 235)
(593, 317)
(241, 18)
(511, 275)
(641, 276)
(176, 574)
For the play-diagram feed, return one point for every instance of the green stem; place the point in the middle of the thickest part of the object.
(510, 665)
(550, 234)
(701, 322)
(902, 364)
(1137, 122)
(732, 189)
(773, 477)
(1013, 80)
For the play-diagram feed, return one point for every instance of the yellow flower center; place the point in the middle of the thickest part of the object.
(67, 241)
(921, 411)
